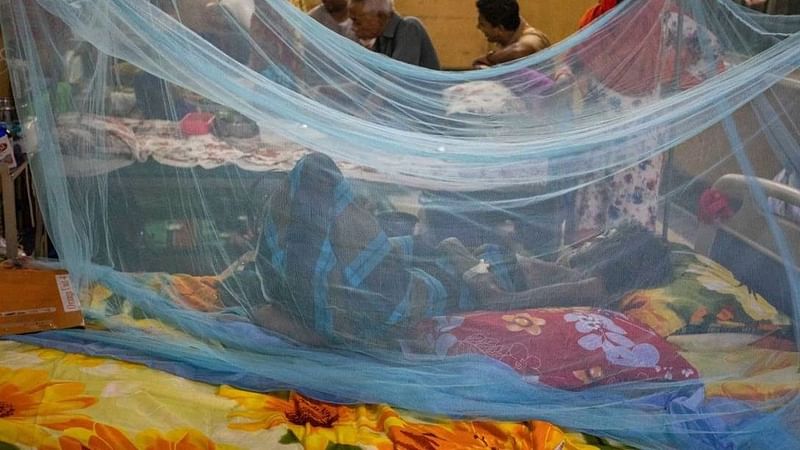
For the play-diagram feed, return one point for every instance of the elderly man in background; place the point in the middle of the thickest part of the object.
(334, 15)
(501, 23)
(401, 38)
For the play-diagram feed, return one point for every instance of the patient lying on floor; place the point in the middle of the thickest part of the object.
(330, 275)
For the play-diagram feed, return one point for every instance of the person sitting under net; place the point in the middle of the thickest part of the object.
(329, 274)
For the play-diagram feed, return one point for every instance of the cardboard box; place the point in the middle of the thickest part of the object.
(37, 300)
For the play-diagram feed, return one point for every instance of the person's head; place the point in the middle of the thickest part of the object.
(627, 258)
(370, 17)
(498, 19)
(335, 6)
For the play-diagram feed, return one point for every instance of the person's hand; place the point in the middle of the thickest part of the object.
(752, 3)
(482, 62)
(276, 321)
(563, 74)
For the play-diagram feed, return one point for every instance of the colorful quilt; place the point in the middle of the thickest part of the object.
(51, 400)
(704, 297)
(54, 400)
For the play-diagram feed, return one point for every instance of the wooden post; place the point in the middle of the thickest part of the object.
(9, 210)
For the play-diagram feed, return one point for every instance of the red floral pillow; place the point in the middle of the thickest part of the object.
(569, 348)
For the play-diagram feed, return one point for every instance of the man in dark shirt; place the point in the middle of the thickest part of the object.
(401, 38)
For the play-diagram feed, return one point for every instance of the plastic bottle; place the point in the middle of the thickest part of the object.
(6, 149)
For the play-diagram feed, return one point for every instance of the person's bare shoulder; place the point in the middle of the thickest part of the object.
(534, 40)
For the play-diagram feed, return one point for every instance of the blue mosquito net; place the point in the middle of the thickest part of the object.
(603, 235)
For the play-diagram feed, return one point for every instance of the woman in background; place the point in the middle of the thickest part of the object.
(624, 68)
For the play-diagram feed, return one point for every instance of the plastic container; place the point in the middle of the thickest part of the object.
(197, 123)
(237, 127)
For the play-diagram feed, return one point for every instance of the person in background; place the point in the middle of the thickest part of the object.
(564, 74)
(501, 23)
(272, 56)
(633, 194)
(222, 23)
(334, 15)
(401, 38)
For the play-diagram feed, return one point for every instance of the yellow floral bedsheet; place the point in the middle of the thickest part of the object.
(57, 401)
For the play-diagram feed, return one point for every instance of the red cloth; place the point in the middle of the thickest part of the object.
(602, 7)
(625, 55)
(713, 206)
(628, 55)
(569, 348)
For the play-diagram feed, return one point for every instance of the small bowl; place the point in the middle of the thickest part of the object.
(240, 128)
(197, 123)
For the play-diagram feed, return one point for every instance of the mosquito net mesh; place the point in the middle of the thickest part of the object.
(603, 235)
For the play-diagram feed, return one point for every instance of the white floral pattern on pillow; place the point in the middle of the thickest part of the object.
(600, 332)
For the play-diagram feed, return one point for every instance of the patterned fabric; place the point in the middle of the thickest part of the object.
(162, 141)
(481, 98)
(57, 401)
(746, 372)
(790, 212)
(632, 194)
(650, 53)
(594, 346)
(704, 297)
(341, 269)
(629, 195)
(79, 134)
(200, 293)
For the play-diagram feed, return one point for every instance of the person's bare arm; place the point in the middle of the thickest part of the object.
(538, 273)
(277, 321)
(585, 292)
(527, 45)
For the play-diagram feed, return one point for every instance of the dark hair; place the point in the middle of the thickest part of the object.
(629, 258)
(502, 13)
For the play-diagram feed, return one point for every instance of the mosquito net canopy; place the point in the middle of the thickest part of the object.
(603, 235)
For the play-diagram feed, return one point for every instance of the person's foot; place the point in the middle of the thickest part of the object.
(479, 269)
(457, 254)
(484, 286)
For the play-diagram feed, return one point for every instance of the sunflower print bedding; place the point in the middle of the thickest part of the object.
(51, 400)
